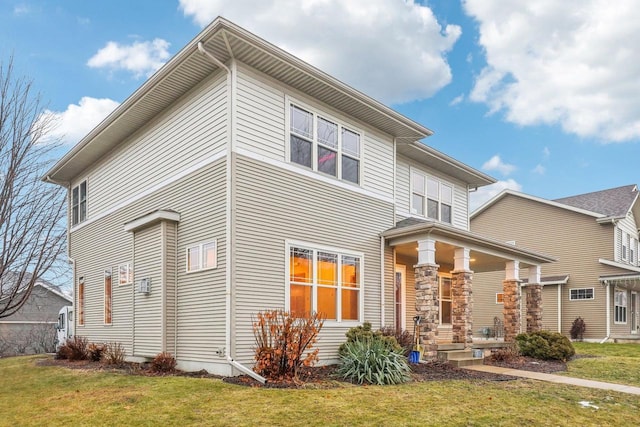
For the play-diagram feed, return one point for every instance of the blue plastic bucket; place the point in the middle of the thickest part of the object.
(414, 357)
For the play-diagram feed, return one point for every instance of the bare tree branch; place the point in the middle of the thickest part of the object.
(32, 231)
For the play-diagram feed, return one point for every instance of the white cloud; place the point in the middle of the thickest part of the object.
(78, 120)
(140, 58)
(571, 63)
(457, 100)
(546, 153)
(21, 9)
(394, 51)
(496, 164)
(539, 169)
(484, 194)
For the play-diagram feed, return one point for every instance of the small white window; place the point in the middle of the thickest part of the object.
(581, 294)
(499, 297)
(79, 203)
(202, 256)
(125, 274)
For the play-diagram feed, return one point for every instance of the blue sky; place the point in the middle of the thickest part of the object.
(544, 96)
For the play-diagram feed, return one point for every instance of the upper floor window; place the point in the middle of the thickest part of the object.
(325, 281)
(625, 245)
(324, 145)
(79, 203)
(633, 245)
(431, 197)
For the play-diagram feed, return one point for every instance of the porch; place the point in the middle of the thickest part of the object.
(434, 267)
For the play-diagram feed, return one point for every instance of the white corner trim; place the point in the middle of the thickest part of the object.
(151, 218)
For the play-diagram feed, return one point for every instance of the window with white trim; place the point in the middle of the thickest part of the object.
(202, 256)
(620, 306)
(325, 281)
(499, 297)
(625, 245)
(581, 294)
(444, 285)
(81, 301)
(431, 197)
(79, 203)
(108, 298)
(125, 274)
(324, 145)
(633, 244)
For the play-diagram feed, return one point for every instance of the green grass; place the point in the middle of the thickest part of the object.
(616, 363)
(38, 395)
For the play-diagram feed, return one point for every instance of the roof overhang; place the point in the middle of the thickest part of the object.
(443, 163)
(489, 254)
(628, 281)
(151, 219)
(550, 280)
(227, 42)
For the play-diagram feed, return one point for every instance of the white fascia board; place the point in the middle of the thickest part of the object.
(619, 265)
(151, 218)
(504, 193)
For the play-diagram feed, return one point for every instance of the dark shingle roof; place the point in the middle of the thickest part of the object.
(614, 202)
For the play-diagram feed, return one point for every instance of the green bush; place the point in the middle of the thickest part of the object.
(372, 361)
(365, 332)
(545, 345)
(405, 339)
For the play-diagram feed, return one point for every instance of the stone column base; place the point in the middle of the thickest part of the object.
(511, 309)
(534, 308)
(428, 308)
(461, 307)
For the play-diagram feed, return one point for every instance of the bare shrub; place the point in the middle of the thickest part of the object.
(95, 351)
(163, 363)
(114, 354)
(505, 354)
(577, 329)
(77, 348)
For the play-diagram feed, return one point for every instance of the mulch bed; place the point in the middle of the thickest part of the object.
(325, 376)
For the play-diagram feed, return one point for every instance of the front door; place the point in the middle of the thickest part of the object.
(634, 312)
(400, 297)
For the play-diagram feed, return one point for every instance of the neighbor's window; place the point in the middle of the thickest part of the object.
(499, 297)
(431, 198)
(445, 300)
(79, 203)
(107, 296)
(633, 244)
(581, 294)
(81, 301)
(202, 256)
(324, 145)
(125, 274)
(325, 281)
(620, 306)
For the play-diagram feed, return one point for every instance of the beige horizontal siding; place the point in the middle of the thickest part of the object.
(550, 307)
(273, 205)
(485, 309)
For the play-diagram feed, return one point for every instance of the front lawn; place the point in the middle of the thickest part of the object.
(615, 363)
(46, 395)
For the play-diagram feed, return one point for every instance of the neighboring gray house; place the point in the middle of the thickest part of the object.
(238, 178)
(32, 328)
(595, 238)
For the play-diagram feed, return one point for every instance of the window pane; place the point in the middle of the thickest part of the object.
(417, 203)
(123, 274)
(327, 302)
(445, 288)
(74, 197)
(445, 313)
(81, 301)
(350, 304)
(193, 258)
(74, 219)
(446, 195)
(300, 300)
(107, 296)
(209, 250)
(445, 214)
(350, 169)
(327, 133)
(432, 209)
(83, 191)
(327, 161)
(432, 188)
(301, 122)
(83, 211)
(300, 151)
(350, 271)
(327, 269)
(350, 142)
(300, 265)
(500, 298)
(418, 183)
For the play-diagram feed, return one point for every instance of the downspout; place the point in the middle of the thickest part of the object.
(608, 302)
(227, 349)
(382, 261)
(560, 307)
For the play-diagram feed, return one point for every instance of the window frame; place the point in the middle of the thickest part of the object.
(316, 143)
(314, 284)
(441, 298)
(620, 311)
(78, 206)
(129, 274)
(80, 308)
(202, 256)
(414, 172)
(108, 298)
(577, 297)
(500, 300)
(625, 245)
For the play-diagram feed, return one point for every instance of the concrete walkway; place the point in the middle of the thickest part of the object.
(559, 379)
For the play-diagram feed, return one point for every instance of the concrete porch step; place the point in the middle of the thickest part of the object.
(450, 346)
(459, 358)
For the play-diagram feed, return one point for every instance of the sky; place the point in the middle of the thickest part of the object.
(542, 95)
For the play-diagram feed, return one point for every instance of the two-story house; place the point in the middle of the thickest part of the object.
(594, 236)
(239, 178)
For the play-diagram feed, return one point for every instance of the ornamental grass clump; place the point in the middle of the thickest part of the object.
(284, 342)
(545, 345)
(369, 357)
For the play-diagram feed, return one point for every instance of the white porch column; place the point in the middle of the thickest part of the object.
(426, 252)
(461, 259)
(512, 270)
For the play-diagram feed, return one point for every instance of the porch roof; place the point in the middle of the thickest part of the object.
(487, 254)
(626, 280)
(551, 280)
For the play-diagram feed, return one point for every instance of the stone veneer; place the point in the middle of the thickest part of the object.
(461, 306)
(428, 307)
(511, 309)
(534, 308)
